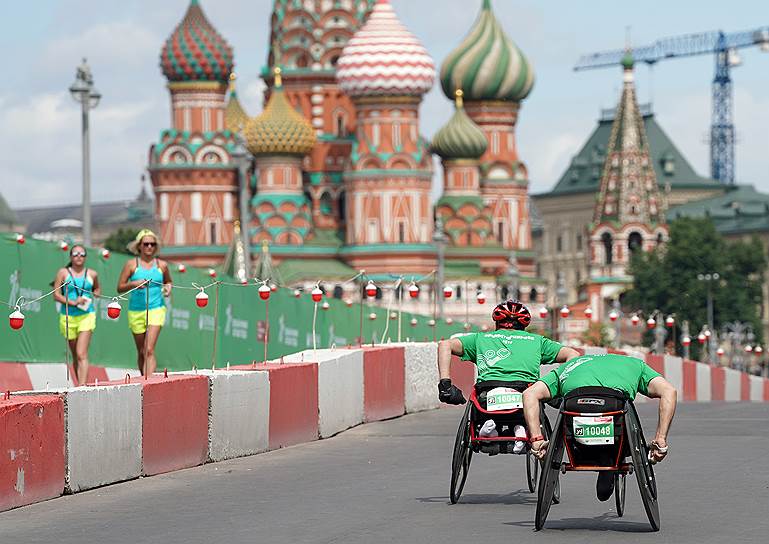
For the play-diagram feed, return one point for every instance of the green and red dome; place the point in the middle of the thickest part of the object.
(195, 51)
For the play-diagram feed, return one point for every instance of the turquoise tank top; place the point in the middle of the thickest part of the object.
(137, 300)
(77, 287)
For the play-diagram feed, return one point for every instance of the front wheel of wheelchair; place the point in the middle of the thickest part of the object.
(460, 461)
(549, 485)
(644, 472)
(619, 492)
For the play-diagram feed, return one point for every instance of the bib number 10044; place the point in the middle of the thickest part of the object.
(595, 430)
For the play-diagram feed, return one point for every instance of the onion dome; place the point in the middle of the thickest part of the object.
(384, 59)
(280, 129)
(195, 51)
(460, 138)
(487, 65)
(235, 117)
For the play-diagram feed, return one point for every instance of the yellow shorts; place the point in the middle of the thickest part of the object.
(77, 324)
(136, 320)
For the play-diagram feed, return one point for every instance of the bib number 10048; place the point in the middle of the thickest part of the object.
(595, 430)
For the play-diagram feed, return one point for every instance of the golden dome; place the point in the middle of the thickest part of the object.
(235, 117)
(280, 129)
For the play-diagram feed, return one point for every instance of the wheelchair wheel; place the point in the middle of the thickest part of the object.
(619, 493)
(548, 480)
(532, 471)
(460, 461)
(548, 432)
(644, 472)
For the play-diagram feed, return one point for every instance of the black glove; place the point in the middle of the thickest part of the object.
(450, 394)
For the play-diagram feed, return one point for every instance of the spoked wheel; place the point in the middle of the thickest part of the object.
(460, 461)
(532, 471)
(619, 492)
(548, 480)
(547, 431)
(643, 467)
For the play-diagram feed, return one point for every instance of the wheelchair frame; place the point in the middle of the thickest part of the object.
(632, 436)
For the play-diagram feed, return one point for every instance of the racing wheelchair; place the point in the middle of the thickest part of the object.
(502, 402)
(600, 430)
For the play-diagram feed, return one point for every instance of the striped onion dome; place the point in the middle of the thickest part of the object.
(487, 65)
(460, 138)
(384, 59)
(280, 129)
(195, 51)
(235, 117)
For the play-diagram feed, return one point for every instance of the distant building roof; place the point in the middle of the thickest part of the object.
(741, 209)
(670, 166)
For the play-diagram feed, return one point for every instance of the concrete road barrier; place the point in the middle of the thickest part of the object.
(421, 375)
(384, 383)
(340, 387)
(31, 449)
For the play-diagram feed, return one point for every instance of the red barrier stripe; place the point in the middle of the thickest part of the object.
(657, 362)
(462, 375)
(717, 383)
(690, 380)
(14, 377)
(744, 386)
(766, 389)
(384, 383)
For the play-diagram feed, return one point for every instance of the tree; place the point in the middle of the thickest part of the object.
(596, 335)
(118, 240)
(666, 279)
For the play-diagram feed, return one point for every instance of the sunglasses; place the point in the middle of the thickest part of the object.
(149, 244)
(78, 254)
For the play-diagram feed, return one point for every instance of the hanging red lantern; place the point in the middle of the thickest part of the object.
(325, 305)
(484, 327)
(588, 312)
(685, 341)
(720, 352)
(670, 321)
(651, 323)
(748, 349)
(447, 292)
(370, 289)
(635, 320)
(565, 311)
(244, 281)
(431, 322)
(372, 316)
(181, 268)
(16, 319)
(467, 326)
(613, 315)
(481, 298)
(316, 294)
(758, 350)
(297, 293)
(105, 254)
(701, 338)
(20, 239)
(201, 299)
(264, 292)
(348, 302)
(113, 309)
(413, 322)
(393, 315)
(413, 290)
(64, 246)
(273, 287)
(449, 321)
(212, 272)
(707, 333)
(542, 312)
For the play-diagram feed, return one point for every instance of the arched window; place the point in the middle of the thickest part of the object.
(533, 295)
(608, 248)
(342, 205)
(505, 292)
(325, 203)
(338, 292)
(635, 242)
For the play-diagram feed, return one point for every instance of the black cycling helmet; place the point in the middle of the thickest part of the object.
(511, 314)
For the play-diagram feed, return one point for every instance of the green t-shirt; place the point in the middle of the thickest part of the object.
(508, 355)
(621, 372)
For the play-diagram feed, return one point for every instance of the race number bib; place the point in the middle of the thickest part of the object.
(594, 431)
(503, 398)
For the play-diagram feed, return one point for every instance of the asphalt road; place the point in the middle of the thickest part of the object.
(388, 482)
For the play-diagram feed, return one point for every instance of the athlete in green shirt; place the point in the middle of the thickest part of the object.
(508, 354)
(626, 374)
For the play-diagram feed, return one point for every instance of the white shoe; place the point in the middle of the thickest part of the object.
(488, 430)
(520, 432)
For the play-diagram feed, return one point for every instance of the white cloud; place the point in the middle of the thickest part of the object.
(252, 96)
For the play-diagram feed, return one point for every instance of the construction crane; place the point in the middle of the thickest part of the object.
(724, 46)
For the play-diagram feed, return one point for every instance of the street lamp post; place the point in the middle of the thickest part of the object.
(513, 274)
(709, 278)
(439, 238)
(242, 158)
(560, 295)
(83, 91)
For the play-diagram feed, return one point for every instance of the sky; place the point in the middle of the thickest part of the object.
(44, 40)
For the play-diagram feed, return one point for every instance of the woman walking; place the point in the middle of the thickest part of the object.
(77, 315)
(151, 281)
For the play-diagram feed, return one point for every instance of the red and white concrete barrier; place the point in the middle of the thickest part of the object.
(51, 376)
(421, 375)
(384, 383)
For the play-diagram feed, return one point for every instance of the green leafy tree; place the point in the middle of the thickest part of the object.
(597, 334)
(666, 279)
(118, 240)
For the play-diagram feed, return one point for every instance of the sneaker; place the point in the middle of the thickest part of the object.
(488, 430)
(604, 486)
(520, 432)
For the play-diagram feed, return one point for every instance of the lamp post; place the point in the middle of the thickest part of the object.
(560, 295)
(242, 158)
(513, 274)
(83, 91)
(439, 239)
(709, 278)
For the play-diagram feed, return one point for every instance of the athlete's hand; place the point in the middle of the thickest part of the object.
(539, 448)
(450, 394)
(658, 450)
